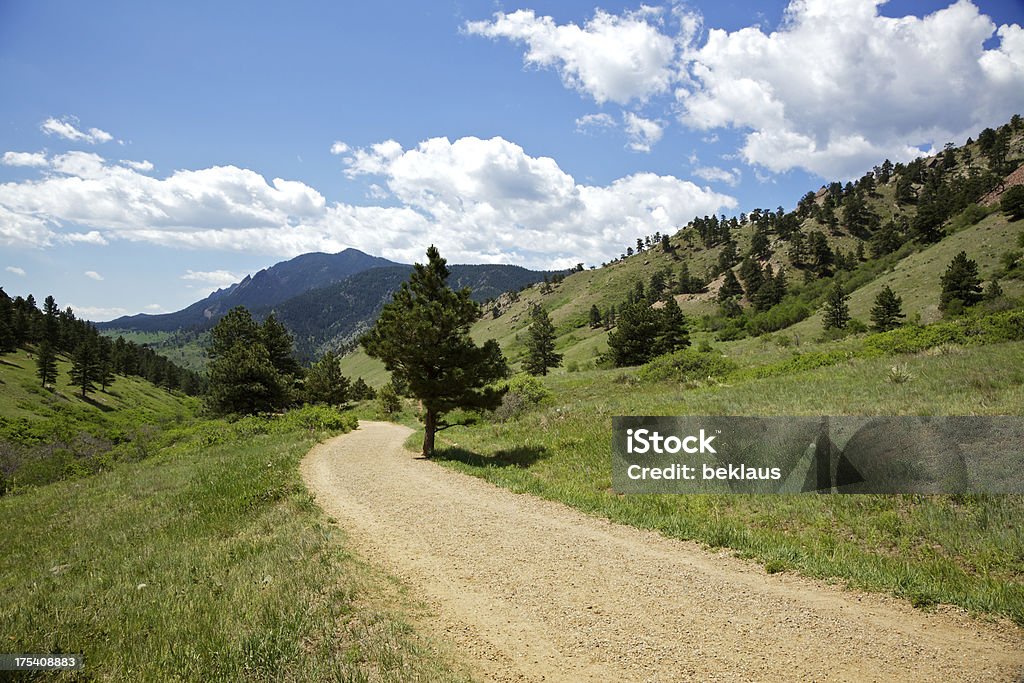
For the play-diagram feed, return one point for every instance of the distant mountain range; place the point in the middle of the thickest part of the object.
(325, 300)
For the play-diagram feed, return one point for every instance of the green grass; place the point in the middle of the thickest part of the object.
(186, 349)
(929, 549)
(51, 434)
(208, 561)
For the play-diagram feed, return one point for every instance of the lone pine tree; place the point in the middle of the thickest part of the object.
(46, 363)
(887, 311)
(422, 336)
(837, 312)
(540, 344)
(961, 285)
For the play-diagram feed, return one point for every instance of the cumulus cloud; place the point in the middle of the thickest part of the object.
(836, 88)
(67, 127)
(31, 159)
(617, 58)
(478, 200)
(93, 275)
(16, 270)
(339, 147)
(143, 165)
(716, 174)
(643, 133)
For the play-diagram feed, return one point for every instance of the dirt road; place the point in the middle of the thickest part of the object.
(529, 590)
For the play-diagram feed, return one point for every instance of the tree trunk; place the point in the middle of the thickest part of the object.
(429, 427)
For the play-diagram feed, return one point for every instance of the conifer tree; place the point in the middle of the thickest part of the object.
(85, 368)
(324, 382)
(422, 336)
(730, 287)
(595, 316)
(674, 333)
(540, 344)
(887, 311)
(46, 363)
(637, 327)
(960, 283)
(837, 312)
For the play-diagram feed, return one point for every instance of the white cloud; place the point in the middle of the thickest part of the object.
(478, 200)
(589, 122)
(154, 308)
(617, 58)
(339, 147)
(643, 133)
(34, 159)
(144, 165)
(839, 87)
(833, 90)
(93, 275)
(91, 237)
(16, 270)
(98, 313)
(67, 128)
(716, 174)
(214, 278)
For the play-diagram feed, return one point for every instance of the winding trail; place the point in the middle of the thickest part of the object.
(530, 590)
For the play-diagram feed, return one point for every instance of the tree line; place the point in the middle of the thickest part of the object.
(95, 359)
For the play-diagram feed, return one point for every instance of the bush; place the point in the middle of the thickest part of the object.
(387, 400)
(686, 365)
(522, 393)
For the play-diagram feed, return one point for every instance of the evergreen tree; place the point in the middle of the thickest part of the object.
(324, 382)
(361, 391)
(51, 322)
(595, 316)
(960, 283)
(540, 344)
(887, 311)
(85, 368)
(279, 345)
(244, 380)
(992, 290)
(728, 257)
(730, 287)
(236, 327)
(388, 400)
(837, 312)
(632, 341)
(674, 333)
(821, 254)
(422, 336)
(1012, 203)
(105, 363)
(46, 363)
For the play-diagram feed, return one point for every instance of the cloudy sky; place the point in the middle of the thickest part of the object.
(150, 153)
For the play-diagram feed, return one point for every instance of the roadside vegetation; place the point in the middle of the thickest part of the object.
(207, 561)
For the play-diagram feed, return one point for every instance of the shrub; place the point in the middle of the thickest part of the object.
(686, 365)
(523, 392)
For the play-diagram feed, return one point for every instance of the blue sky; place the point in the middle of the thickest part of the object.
(150, 153)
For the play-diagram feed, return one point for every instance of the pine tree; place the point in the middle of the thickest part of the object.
(85, 366)
(105, 363)
(279, 345)
(631, 342)
(837, 312)
(887, 311)
(960, 283)
(1012, 203)
(325, 383)
(244, 380)
(46, 363)
(51, 323)
(595, 317)
(730, 287)
(361, 391)
(674, 333)
(540, 344)
(422, 336)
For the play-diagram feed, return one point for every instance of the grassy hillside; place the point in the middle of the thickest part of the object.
(208, 561)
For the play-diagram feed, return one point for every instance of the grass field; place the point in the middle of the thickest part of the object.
(208, 561)
(966, 551)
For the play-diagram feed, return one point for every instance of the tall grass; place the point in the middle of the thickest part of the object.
(209, 561)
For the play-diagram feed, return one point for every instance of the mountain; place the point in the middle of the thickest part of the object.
(332, 317)
(265, 289)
